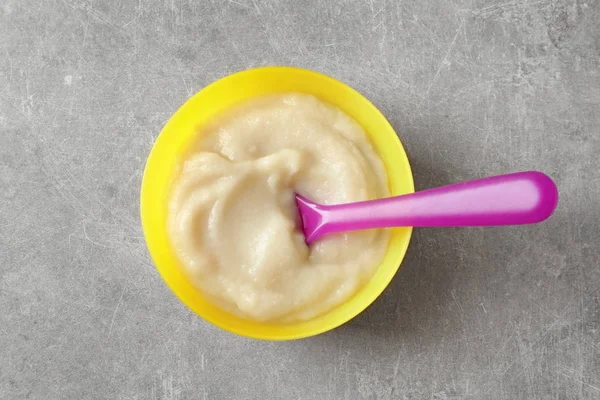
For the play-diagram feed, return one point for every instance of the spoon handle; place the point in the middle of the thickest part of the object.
(513, 199)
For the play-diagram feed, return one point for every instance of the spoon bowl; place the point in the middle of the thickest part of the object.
(183, 128)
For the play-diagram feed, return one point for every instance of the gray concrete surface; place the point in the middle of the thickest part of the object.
(473, 87)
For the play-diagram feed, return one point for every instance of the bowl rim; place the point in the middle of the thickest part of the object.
(150, 238)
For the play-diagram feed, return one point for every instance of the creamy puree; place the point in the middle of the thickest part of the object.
(232, 217)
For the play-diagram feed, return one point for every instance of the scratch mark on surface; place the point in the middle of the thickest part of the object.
(371, 6)
(90, 240)
(382, 42)
(593, 345)
(576, 376)
(476, 126)
(300, 48)
(137, 14)
(256, 7)
(460, 307)
(510, 6)
(498, 6)
(421, 26)
(238, 3)
(377, 13)
(112, 321)
(397, 366)
(437, 73)
(187, 88)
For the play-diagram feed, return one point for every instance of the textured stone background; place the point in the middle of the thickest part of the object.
(474, 87)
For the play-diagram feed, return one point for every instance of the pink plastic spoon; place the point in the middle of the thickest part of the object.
(513, 199)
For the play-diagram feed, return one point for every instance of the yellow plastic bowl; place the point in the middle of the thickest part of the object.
(183, 127)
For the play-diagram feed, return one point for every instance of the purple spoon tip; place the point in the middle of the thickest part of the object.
(311, 218)
(513, 199)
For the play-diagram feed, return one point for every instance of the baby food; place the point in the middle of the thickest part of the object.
(232, 218)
